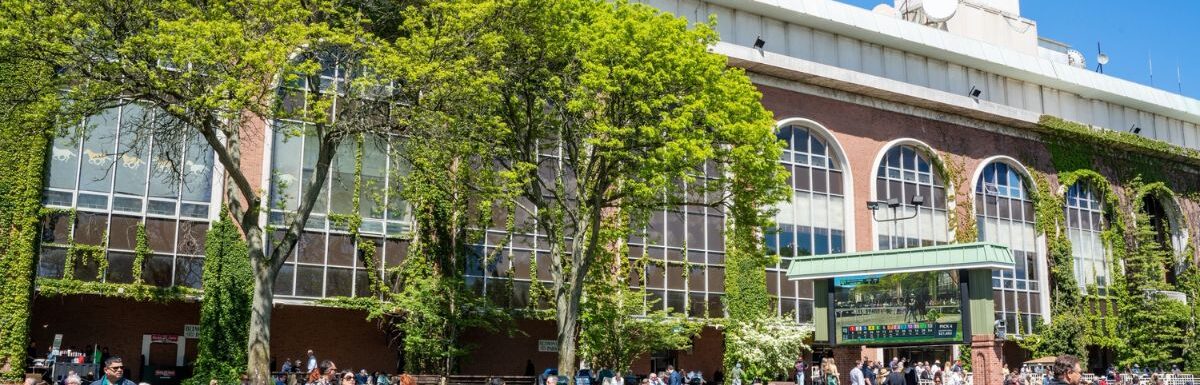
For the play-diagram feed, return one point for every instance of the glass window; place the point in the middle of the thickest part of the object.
(98, 151)
(1005, 215)
(905, 173)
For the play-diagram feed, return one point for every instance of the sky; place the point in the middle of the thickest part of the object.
(1130, 32)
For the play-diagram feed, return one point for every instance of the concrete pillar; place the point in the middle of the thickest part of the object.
(986, 366)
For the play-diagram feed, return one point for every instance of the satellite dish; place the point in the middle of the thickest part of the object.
(1102, 59)
(939, 10)
(886, 10)
(1075, 58)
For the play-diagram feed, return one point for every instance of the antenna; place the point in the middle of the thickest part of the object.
(1178, 78)
(1101, 59)
(1150, 55)
(938, 11)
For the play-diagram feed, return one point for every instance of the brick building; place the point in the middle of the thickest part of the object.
(873, 105)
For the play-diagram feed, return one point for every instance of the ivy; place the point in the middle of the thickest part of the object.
(52, 287)
(140, 252)
(27, 101)
(225, 313)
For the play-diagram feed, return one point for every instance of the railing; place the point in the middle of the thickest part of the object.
(1126, 379)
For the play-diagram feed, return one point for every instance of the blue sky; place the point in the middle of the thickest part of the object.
(1128, 31)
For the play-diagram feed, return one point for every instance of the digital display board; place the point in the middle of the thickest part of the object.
(898, 309)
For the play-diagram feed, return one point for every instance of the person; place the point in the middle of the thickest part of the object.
(896, 377)
(856, 374)
(673, 376)
(244, 379)
(869, 372)
(313, 378)
(312, 361)
(382, 379)
(361, 377)
(1066, 370)
(298, 367)
(287, 365)
(831, 373)
(114, 373)
(800, 372)
(736, 375)
(347, 378)
(655, 379)
(552, 380)
(73, 380)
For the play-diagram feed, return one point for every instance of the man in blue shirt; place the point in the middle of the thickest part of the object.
(114, 373)
(673, 377)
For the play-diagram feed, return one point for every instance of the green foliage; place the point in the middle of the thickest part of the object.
(140, 252)
(225, 312)
(26, 106)
(137, 292)
(613, 331)
(627, 99)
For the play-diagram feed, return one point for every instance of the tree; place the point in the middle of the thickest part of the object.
(618, 323)
(615, 106)
(1153, 324)
(225, 311)
(213, 70)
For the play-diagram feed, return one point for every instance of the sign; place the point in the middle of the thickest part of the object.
(904, 308)
(57, 342)
(191, 331)
(548, 346)
(164, 339)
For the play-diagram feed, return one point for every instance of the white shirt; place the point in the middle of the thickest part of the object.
(312, 363)
(856, 376)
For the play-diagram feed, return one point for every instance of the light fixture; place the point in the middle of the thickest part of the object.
(759, 42)
(975, 92)
(894, 204)
(1135, 129)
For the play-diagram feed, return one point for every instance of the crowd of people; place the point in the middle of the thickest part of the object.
(896, 372)
(311, 371)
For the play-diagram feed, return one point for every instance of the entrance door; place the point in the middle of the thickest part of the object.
(919, 353)
(162, 359)
(660, 359)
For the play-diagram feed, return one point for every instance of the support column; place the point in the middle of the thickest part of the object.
(844, 357)
(985, 360)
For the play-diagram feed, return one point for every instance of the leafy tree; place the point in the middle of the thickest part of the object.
(617, 106)
(213, 70)
(765, 347)
(1153, 325)
(225, 311)
(618, 323)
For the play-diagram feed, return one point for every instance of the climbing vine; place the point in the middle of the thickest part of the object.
(25, 133)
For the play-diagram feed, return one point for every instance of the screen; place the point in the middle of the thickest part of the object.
(903, 308)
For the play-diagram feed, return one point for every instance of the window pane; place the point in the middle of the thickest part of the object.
(98, 148)
(283, 281)
(197, 170)
(133, 153)
(285, 165)
(120, 268)
(374, 167)
(157, 271)
(343, 177)
(309, 281)
(338, 282)
(51, 261)
(64, 161)
(188, 271)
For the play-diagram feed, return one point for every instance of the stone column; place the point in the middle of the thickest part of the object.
(986, 366)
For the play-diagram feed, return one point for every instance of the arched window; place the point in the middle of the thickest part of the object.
(905, 172)
(1005, 215)
(813, 222)
(1084, 224)
(1162, 212)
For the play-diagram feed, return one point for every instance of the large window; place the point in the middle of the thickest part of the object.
(905, 172)
(813, 222)
(1084, 226)
(326, 262)
(1005, 215)
(117, 175)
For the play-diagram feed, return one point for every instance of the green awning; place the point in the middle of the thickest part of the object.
(978, 255)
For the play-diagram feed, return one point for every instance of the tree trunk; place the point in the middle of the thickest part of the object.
(568, 319)
(259, 354)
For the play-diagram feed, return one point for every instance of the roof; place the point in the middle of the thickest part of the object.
(977, 255)
(862, 24)
(1047, 360)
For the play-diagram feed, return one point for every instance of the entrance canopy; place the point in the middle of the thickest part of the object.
(963, 256)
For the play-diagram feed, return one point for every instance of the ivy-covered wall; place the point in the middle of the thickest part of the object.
(24, 135)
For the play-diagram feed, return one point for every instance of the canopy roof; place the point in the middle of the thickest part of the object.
(977, 255)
